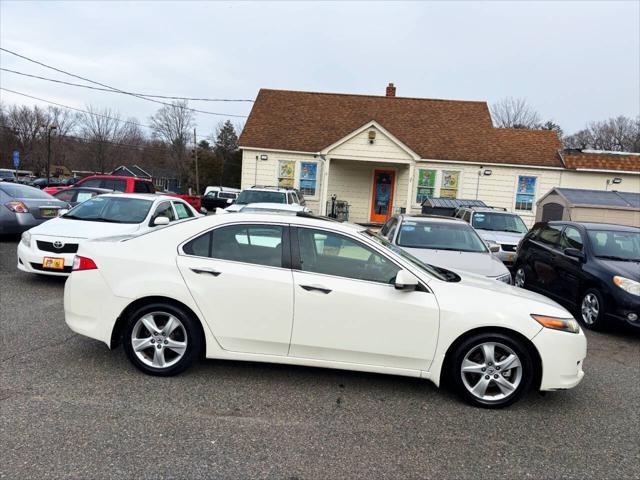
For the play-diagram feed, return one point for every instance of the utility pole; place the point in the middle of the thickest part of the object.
(49, 129)
(195, 156)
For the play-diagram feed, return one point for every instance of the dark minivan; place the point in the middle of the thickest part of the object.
(593, 268)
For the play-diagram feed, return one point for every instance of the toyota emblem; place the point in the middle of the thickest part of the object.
(58, 244)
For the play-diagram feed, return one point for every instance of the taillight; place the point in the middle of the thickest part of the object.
(17, 207)
(83, 263)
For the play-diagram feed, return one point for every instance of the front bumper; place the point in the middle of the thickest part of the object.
(562, 356)
(624, 306)
(30, 259)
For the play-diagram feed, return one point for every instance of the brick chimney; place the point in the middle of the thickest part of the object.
(391, 90)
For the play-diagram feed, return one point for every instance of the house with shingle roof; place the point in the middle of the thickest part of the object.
(386, 154)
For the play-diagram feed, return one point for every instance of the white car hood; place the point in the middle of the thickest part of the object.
(509, 238)
(489, 284)
(234, 208)
(479, 263)
(67, 227)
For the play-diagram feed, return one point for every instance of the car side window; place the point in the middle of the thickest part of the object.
(290, 199)
(116, 184)
(257, 244)
(164, 210)
(392, 231)
(334, 254)
(141, 187)
(65, 195)
(467, 217)
(92, 182)
(550, 235)
(571, 238)
(386, 227)
(182, 210)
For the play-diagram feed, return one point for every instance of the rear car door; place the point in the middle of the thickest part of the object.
(240, 278)
(348, 310)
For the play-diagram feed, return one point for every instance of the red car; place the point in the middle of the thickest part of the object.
(129, 185)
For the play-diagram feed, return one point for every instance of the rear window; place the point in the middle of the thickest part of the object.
(142, 187)
(22, 191)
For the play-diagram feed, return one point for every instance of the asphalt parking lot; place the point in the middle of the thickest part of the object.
(71, 408)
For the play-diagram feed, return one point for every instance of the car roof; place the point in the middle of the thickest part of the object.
(596, 225)
(118, 177)
(274, 206)
(301, 219)
(489, 209)
(271, 188)
(91, 189)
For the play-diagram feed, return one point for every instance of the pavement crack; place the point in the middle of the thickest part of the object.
(41, 347)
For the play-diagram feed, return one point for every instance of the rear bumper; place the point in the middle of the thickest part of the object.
(562, 356)
(90, 309)
(15, 223)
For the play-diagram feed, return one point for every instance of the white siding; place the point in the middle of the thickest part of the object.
(598, 181)
(382, 148)
(353, 181)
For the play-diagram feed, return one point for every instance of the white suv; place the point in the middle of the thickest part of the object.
(264, 194)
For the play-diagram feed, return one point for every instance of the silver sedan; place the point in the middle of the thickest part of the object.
(23, 207)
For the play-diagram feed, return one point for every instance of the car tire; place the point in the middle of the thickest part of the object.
(491, 370)
(162, 339)
(520, 277)
(591, 310)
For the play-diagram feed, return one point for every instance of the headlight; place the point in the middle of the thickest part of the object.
(506, 278)
(628, 285)
(564, 324)
(26, 239)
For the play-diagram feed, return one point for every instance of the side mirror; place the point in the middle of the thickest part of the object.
(63, 211)
(493, 247)
(575, 253)
(160, 221)
(406, 281)
(229, 201)
(203, 210)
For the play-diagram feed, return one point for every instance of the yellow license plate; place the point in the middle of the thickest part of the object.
(53, 263)
(48, 212)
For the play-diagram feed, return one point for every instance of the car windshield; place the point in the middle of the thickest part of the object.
(111, 209)
(440, 236)
(499, 222)
(16, 190)
(615, 245)
(430, 269)
(6, 174)
(260, 196)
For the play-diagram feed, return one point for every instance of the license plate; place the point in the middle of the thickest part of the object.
(53, 263)
(48, 212)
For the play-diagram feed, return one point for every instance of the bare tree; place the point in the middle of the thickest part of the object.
(173, 125)
(102, 131)
(26, 124)
(514, 113)
(615, 134)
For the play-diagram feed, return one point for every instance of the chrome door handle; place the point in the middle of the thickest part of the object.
(310, 288)
(207, 270)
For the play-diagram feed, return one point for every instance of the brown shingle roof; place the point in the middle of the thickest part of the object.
(434, 129)
(602, 160)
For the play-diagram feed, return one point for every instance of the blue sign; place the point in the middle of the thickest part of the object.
(16, 158)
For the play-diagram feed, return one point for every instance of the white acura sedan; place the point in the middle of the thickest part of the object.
(306, 291)
(50, 247)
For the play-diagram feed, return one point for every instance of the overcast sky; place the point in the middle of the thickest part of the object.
(574, 62)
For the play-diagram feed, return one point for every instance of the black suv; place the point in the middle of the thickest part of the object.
(593, 268)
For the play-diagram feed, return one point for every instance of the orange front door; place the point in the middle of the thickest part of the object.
(382, 199)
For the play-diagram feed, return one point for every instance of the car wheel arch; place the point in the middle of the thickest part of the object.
(447, 364)
(116, 334)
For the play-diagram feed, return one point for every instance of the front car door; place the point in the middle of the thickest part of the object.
(542, 261)
(240, 278)
(347, 309)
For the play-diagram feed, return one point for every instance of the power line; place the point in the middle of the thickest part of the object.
(117, 89)
(114, 91)
(77, 109)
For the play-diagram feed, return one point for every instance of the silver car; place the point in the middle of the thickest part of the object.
(444, 242)
(23, 207)
(497, 227)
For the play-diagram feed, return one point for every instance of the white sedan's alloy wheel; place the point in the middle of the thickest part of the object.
(491, 371)
(159, 340)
